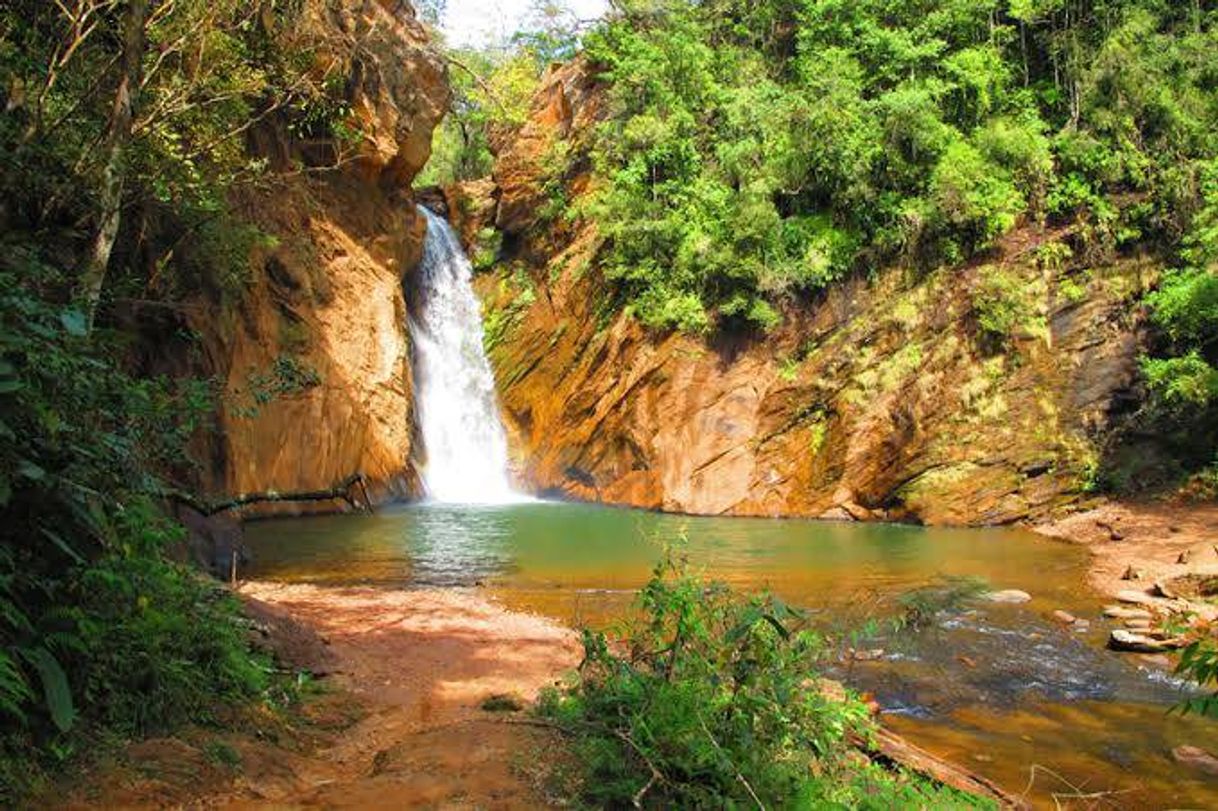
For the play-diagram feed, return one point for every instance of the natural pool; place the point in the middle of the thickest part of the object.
(1001, 689)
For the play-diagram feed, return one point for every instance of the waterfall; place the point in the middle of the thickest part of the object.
(455, 398)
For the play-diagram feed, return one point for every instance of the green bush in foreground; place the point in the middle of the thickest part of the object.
(713, 701)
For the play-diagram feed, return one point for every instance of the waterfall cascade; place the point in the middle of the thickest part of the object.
(458, 410)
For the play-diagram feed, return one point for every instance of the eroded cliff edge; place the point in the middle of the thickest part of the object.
(882, 399)
(313, 361)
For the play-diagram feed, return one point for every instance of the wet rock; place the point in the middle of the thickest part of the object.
(1132, 642)
(1064, 617)
(1158, 660)
(1138, 624)
(1196, 758)
(836, 514)
(856, 511)
(867, 655)
(1135, 597)
(1012, 596)
(1117, 612)
(1129, 641)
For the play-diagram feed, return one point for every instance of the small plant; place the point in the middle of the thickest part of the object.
(222, 753)
(919, 606)
(713, 701)
(999, 308)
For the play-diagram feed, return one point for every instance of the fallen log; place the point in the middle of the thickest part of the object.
(889, 748)
(339, 492)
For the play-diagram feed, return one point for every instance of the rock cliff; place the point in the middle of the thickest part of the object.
(314, 358)
(884, 398)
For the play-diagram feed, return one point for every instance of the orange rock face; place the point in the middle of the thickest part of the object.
(876, 400)
(314, 359)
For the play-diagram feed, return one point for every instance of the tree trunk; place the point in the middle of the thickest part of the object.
(117, 136)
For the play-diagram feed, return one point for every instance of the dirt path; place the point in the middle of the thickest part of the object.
(414, 668)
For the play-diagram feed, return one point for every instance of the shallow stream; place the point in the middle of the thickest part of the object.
(1001, 689)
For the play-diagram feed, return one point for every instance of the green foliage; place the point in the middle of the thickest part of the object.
(98, 630)
(491, 91)
(1199, 663)
(1185, 382)
(999, 306)
(713, 701)
(754, 152)
(211, 73)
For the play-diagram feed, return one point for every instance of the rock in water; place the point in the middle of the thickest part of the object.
(1196, 757)
(1008, 596)
(1064, 617)
(1132, 642)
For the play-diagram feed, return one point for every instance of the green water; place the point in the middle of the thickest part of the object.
(1002, 688)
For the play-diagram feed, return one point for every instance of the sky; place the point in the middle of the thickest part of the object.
(480, 22)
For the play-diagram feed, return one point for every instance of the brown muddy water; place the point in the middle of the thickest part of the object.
(1001, 689)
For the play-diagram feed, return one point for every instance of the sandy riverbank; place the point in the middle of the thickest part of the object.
(1148, 538)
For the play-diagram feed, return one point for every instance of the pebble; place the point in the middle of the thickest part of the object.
(1138, 624)
(1064, 617)
(1132, 574)
(1196, 757)
(1008, 596)
(1184, 556)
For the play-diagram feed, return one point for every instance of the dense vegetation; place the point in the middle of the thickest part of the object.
(712, 701)
(756, 150)
(754, 153)
(123, 141)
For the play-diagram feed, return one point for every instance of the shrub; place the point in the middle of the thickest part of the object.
(999, 307)
(712, 701)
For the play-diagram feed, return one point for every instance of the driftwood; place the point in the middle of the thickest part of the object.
(339, 492)
(887, 746)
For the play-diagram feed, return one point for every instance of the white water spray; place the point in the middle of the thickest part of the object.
(455, 396)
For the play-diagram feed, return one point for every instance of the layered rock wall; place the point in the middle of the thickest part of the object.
(314, 358)
(880, 399)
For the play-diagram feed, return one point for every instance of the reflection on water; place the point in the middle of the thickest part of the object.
(999, 687)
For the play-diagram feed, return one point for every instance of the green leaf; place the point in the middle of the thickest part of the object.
(54, 687)
(9, 386)
(63, 545)
(74, 323)
(31, 471)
